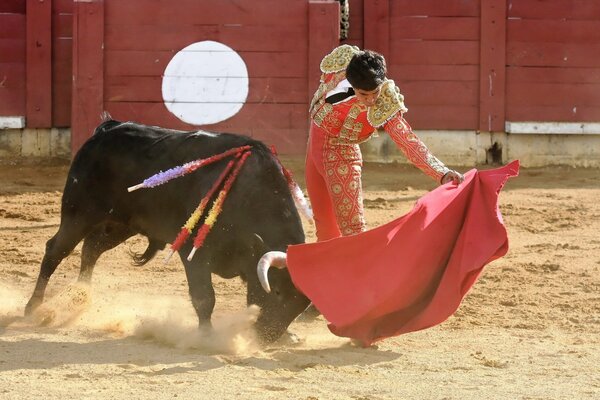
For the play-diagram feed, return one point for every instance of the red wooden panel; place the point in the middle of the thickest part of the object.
(62, 60)
(377, 26)
(62, 6)
(262, 90)
(552, 54)
(434, 52)
(61, 104)
(12, 75)
(286, 141)
(12, 6)
(355, 33)
(440, 93)
(436, 28)
(552, 94)
(553, 31)
(492, 63)
(446, 8)
(39, 64)
(408, 73)
(189, 12)
(153, 63)
(444, 117)
(554, 9)
(239, 37)
(255, 116)
(552, 75)
(323, 36)
(12, 26)
(88, 70)
(62, 26)
(12, 50)
(560, 113)
(12, 101)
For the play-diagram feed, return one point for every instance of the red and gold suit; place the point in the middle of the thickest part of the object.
(334, 160)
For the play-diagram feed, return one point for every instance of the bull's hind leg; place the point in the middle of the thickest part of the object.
(202, 294)
(57, 248)
(101, 239)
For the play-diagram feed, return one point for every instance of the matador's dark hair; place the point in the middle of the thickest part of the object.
(366, 70)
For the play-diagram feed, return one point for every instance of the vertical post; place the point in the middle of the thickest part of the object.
(492, 66)
(376, 23)
(323, 36)
(88, 70)
(39, 64)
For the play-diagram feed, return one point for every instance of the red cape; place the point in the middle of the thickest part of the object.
(413, 272)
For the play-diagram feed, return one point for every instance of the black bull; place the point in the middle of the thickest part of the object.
(258, 214)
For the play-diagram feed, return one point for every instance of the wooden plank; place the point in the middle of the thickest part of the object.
(436, 28)
(377, 27)
(12, 26)
(355, 33)
(175, 37)
(255, 116)
(88, 70)
(323, 36)
(189, 12)
(552, 54)
(440, 93)
(444, 117)
(153, 63)
(12, 75)
(12, 6)
(62, 61)
(553, 31)
(39, 64)
(62, 6)
(261, 90)
(409, 73)
(492, 64)
(61, 101)
(552, 75)
(435, 8)
(286, 141)
(13, 50)
(62, 26)
(12, 101)
(554, 9)
(552, 94)
(561, 113)
(438, 52)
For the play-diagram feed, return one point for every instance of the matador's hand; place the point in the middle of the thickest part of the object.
(453, 176)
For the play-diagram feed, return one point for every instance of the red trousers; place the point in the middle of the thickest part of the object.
(333, 180)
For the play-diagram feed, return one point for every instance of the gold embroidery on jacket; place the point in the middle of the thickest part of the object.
(388, 104)
(351, 128)
(338, 59)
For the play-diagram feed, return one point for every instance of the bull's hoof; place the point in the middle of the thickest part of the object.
(288, 339)
(32, 304)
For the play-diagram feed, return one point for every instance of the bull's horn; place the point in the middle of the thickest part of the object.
(271, 259)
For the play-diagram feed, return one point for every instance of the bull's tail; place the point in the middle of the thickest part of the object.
(300, 200)
(153, 247)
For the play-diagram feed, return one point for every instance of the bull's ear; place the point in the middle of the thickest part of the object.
(258, 245)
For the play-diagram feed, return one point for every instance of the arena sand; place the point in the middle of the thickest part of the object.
(529, 329)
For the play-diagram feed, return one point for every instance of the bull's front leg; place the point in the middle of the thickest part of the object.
(200, 286)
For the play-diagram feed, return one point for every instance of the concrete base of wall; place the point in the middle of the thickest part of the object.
(55, 142)
(468, 148)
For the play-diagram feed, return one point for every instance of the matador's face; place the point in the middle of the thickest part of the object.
(368, 97)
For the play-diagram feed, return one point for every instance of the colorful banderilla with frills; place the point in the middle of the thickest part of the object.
(216, 207)
(166, 176)
(192, 221)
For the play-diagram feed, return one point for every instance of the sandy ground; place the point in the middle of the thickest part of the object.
(529, 329)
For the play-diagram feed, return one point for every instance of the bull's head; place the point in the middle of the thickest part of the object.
(282, 302)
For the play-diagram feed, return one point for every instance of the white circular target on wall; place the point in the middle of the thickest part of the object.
(205, 83)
